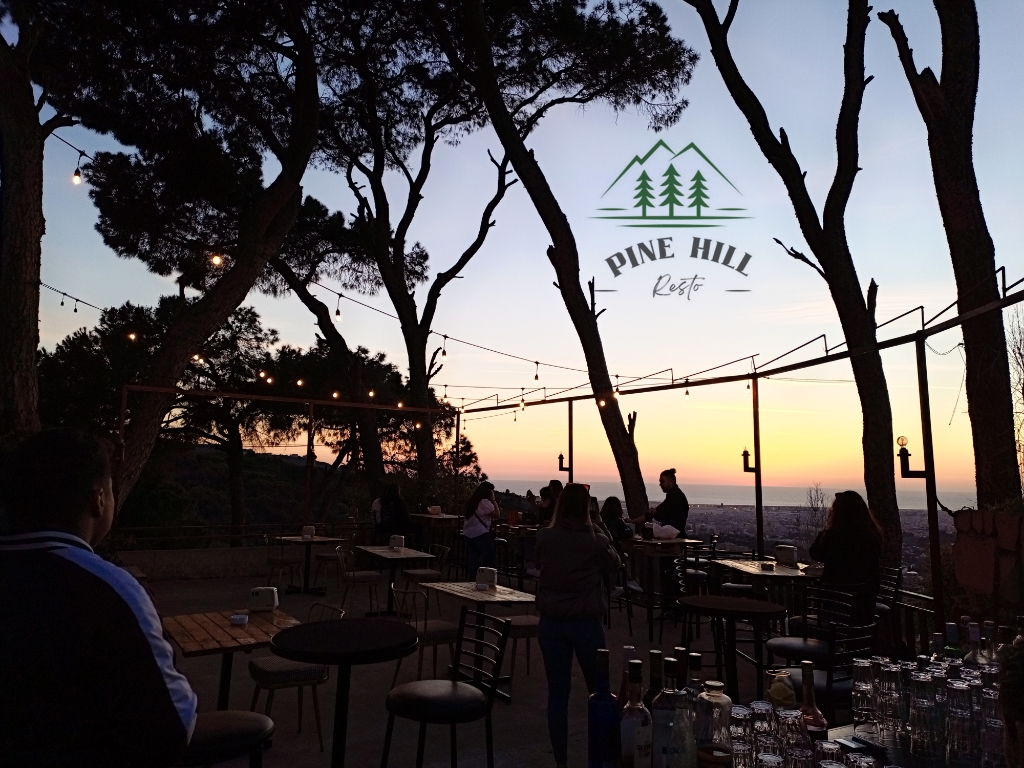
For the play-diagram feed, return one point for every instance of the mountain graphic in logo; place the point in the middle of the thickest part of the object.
(665, 188)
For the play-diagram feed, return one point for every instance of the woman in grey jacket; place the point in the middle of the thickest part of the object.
(571, 556)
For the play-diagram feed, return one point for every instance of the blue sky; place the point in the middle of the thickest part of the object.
(791, 55)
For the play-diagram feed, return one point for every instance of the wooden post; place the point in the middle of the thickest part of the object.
(571, 465)
(929, 482)
(455, 461)
(310, 464)
(758, 501)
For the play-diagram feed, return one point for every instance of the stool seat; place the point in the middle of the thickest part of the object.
(524, 626)
(437, 701)
(842, 690)
(798, 648)
(275, 672)
(692, 573)
(737, 590)
(364, 577)
(881, 610)
(436, 632)
(221, 736)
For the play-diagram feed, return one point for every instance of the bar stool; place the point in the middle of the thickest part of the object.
(222, 736)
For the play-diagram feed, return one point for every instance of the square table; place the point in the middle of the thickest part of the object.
(309, 541)
(655, 549)
(204, 634)
(393, 558)
(783, 576)
(434, 522)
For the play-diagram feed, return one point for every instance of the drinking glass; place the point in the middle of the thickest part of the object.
(960, 752)
(831, 764)
(990, 676)
(864, 716)
(859, 760)
(792, 730)
(762, 716)
(827, 750)
(767, 744)
(741, 724)
(799, 757)
(925, 726)
(766, 760)
(742, 755)
(889, 699)
(779, 690)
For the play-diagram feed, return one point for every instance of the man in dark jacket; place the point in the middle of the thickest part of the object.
(675, 508)
(88, 678)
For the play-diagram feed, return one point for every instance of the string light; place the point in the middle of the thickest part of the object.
(76, 177)
(263, 374)
(522, 399)
(76, 305)
(444, 345)
(337, 310)
(195, 357)
(269, 380)
(399, 403)
(418, 425)
(216, 260)
(131, 336)
(536, 373)
(334, 395)
(686, 393)
(600, 403)
(444, 398)
(299, 382)
(62, 299)
(371, 393)
(615, 394)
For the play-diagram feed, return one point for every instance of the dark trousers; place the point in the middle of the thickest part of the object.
(558, 640)
(479, 551)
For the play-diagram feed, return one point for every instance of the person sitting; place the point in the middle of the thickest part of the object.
(674, 510)
(546, 506)
(611, 514)
(88, 678)
(850, 547)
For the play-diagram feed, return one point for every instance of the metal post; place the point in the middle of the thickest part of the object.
(310, 462)
(758, 505)
(571, 464)
(929, 482)
(455, 460)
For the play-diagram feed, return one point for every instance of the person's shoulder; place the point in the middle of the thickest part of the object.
(485, 506)
(117, 578)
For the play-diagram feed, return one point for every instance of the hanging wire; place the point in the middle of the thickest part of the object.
(962, 380)
(65, 294)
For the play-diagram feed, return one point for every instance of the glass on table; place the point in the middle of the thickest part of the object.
(827, 750)
(859, 760)
(767, 743)
(924, 723)
(762, 716)
(799, 757)
(741, 724)
(863, 703)
(779, 689)
(767, 760)
(742, 755)
(792, 730)
(831, 764)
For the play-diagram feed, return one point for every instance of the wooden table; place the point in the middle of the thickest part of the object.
(345, 642)
(434, 522)
(309, 541)
(655, 549)
(393, 559)
(204, 634)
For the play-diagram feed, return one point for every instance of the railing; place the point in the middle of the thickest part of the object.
(914, 621)
(217, 535)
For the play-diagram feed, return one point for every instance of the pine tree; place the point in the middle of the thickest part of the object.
(672, 192)
(698, 193)
(644, 193)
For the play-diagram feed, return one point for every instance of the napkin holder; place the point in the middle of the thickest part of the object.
(486, 578)
(397, 543)
(263, 599)
(434, 510)
(308, 531)
(768, 567)
(785, 555)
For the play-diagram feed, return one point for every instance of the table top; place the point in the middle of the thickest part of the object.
(726, 606)
(753, 568)
(466, 590)
(200, 634)
(346, 641)
(311, 539)
(665, 542)
(445, 517)
(387, 553)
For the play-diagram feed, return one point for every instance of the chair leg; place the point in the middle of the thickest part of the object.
(527, 657)
(270, 701)
(435, 662)
(419, 666)
(387, 741)
(316, 716)
(398, 666)
(512, 664)
(489, 735)
(455, 752)
(421, 743)
(256, 756)
(299, 689)
(255, 698)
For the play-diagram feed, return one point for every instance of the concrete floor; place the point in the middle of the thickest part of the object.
(520, 728)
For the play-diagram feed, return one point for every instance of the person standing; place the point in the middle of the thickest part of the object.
(674, 510)
(573, 559)
(481, 510)
(394, 514)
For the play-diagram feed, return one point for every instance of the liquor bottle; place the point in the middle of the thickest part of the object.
(975, 657)
(937, 646)
(1005, 639)
(1019, 639)
(654, 687)
(988, 630)
(603, 748)
(635, 722)
(714, 741)
(687, 709)
(814, 721)
(965, 636)
(667, 749)
(952, 647)
(628, 654)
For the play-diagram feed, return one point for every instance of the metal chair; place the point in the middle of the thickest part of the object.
(431, 632)
(469, 694)
(274, 673)
(326, 560)
(350, 577)
(435, 572)
(889, 586)
(278, 561)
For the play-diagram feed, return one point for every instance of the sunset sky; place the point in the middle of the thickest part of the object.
(791, 55)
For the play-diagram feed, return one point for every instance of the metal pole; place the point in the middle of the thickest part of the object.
(310, 460)
(929, 483)
(758, 505)
(570, 442)
(455, 460)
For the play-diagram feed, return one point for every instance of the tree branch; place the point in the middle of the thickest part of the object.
(800, 257)
(320, 310)
(730, 15)
(926, 89)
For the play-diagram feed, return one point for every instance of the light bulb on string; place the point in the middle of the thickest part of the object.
(132, 336)
(76, 177)
(269, 380)
(748, 385)
(686, 393)
(263, 374)
(76, 305)
(299, 382)
(334, 395)
(337, 310)
(615, 394)
(399, 403)
(216, 260)
(444, 398)
(522, 398)
(371, 393)
(536, 374)
(444, 348)
(62, 299)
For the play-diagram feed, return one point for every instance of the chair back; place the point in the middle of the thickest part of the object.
(407, 604)
(826, 607)
(440, 553)
(323, 612)
(480, 650)
(847, 643)
(274, 547)
(889, 585)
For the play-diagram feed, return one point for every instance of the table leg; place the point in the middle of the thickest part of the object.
(650, 597)
(732, 688)
(305, 575)
(391, 594)
(341, 717)
(759, 657)
(224, 691)
(522, 561)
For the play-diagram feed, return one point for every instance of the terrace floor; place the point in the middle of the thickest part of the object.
(520, 728)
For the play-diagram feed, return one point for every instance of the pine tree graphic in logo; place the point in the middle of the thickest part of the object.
(644, 193)
(672, 192)
(698, 192)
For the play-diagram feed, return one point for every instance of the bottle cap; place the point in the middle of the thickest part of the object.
(695, 661)
(670, 666)
(680, 653)
(636, 671)
(714, 685)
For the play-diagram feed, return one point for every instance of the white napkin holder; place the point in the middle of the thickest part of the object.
(785, 555)
(308, 531)
(767, 566)
(434, 510)
(263, 599)
(665, 531)
(397, 543)
(486, 578)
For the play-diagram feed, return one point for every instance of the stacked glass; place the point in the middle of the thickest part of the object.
(741, 728)
(924, 723)
(889, 700)
(960, 752)
(991, 730)
(863, 696)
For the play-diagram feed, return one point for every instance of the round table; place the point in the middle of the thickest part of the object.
(731, 609)
(345, 642)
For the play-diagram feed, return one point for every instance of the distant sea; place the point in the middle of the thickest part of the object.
(735, 495)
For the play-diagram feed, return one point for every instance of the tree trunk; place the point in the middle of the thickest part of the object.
(828, 242)
(948, 112)
(564, 258)
(419, 396)
(21, 230)
(236, 483)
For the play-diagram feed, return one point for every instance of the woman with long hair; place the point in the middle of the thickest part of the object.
(481, 510)
(572, 557)
(850, 544)
(611, 514)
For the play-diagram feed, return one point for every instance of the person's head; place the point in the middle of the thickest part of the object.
(483, 491)
(59, 480)
(595, 509)
(611, 509)
(572, 506)
(1011, 704)
(529, 496)
(849, 511)
(391, 492)
(555, 486)
(545, 496)
(667, 480)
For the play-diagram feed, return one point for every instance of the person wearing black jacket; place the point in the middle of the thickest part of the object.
(86, 675)
(850, 547)
(674, 510)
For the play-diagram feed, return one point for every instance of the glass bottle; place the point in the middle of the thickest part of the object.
(937, 646)
(1019, 639)
(667, 749)
(635, 722)
(686, 711)
(952, 647)
(814, 721)
(603, 748)
(628, 654)
(714, 741)
(1005, 639)
(965, 636)
(654, 687)
(975, 657)
(988, 631)
(779, 689)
